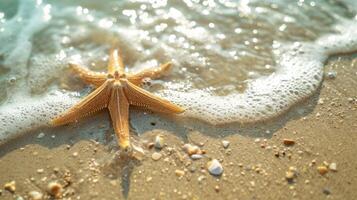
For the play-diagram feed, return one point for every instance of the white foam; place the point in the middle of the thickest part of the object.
(298, 75)
(30, 113)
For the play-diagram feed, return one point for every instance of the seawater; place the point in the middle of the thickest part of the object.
(234, 61)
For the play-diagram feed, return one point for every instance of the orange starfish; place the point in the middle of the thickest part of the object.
(116, 90)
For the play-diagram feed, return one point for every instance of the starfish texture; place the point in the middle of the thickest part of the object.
(117, 90)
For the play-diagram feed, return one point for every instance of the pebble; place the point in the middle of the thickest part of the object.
(0, 192)
(192, 169)
(225, 144)
(214, 167)
(322, 169)
(150, 145)
(201, 178)
(326, 191)
(192, 149)
(40, 171)
(10, 186)
(291, 173)
(179, 173)
(331, 75)
(55, 189)
(156, 156)
(40, 135)
(321, 101)
(34, 195)
(333, 167)
(159, 142)
(288, 142)
(216, 188)
(196, 156)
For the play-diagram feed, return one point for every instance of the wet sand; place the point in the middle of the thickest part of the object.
(256, 163)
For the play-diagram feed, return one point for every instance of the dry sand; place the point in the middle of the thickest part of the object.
(256, 163)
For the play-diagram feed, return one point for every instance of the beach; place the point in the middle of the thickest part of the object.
(255, 164)
(268, 90)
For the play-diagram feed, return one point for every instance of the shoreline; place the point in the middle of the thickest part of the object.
(322, 128)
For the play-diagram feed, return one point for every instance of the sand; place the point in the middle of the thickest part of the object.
(324, 129)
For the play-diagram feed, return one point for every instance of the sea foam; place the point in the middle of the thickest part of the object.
(299, 72)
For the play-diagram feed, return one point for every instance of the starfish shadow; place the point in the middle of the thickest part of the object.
(120, 167)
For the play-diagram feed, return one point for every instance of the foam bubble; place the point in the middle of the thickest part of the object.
(17, 118)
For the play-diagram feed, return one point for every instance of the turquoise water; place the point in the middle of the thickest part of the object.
(234, 61)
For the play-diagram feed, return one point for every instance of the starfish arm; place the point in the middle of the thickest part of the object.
(119, 113)
(149, 73)
(139, 97)
(95, 101)
(88, 76)
(115, 62)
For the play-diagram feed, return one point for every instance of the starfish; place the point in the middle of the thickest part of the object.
(116, 90)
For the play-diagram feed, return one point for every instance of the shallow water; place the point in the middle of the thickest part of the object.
(248, 60)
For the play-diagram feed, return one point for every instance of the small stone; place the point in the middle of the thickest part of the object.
(214, 167)
(192, 149)
(331, 75)
(196, 156)
(192, 169)
(55, 189)
(148, 179)
(289, 175)
(150, 145)
(322, 169)
(321, 101)
(201, 178)
(159, 142)
(34, 195)
(350, 100)
(10, 186)
(156, 156)
(40, 135)
(19, 198)
(288, 142)
(40, 171)
(225, 144)
(333, 167)
(75, 154)
(326, 191)
(179, 173)
(0, 192)
(216, 188)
